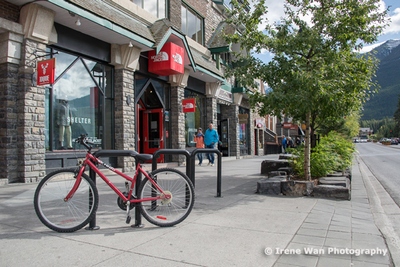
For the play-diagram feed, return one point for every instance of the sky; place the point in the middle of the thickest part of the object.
(275, 12)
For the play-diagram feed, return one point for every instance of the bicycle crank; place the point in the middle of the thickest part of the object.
(122, 205)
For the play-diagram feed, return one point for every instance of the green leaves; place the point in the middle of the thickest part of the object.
(314, 69)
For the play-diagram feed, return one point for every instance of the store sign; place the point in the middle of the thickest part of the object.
(45, 71)
(289, 125)
(168, 62)
(243, 118)
(189, 105)
(224, 95)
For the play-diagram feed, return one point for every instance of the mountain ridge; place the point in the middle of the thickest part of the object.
(383, 104)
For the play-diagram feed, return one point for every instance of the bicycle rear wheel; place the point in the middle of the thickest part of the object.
(167, 212)
(65, 216)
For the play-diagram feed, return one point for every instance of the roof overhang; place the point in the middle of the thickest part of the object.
(108, 24)
(171, 35)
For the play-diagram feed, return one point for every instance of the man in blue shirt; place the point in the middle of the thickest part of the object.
(210, 139)
(284, 144)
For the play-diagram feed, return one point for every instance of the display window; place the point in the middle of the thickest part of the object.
(79, 102)
(196, 119)
(244, 130)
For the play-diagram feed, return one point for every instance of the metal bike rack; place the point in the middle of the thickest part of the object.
(92, 175)
(173, 152)
(190, 162)
(219, 165)
(190, 171)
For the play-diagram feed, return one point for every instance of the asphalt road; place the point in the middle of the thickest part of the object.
(384, 162)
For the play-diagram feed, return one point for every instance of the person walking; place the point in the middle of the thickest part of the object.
(284, 144)
(199, 140)
(211, 138)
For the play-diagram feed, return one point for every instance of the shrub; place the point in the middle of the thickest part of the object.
(333, 153)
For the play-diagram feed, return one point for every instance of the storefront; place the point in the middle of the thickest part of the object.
(102, 87)
(80, 101)
(244, 131)
(194, 107)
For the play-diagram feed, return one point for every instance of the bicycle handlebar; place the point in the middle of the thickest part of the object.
(83, 140)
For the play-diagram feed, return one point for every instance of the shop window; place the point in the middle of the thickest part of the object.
(194, 120)
(79, 102)
(244, 131)
(192, 24)
(157, 8)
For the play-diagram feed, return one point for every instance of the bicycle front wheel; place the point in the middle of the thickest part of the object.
(167, 211)
(65, 216)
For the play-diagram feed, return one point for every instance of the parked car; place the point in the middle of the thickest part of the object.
(394, 141)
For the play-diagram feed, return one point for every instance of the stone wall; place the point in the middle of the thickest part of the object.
(8, 121)
(31, 117)
(177, 121)
(124, 116)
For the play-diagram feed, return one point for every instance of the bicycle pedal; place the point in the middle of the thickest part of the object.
(128, 219)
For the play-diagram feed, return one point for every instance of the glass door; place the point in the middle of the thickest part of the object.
(153, 138)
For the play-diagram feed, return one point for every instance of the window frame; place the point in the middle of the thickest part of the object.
(198, 17)
(141, 5)
(105, 100)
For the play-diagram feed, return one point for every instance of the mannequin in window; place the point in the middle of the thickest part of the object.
(64, 124)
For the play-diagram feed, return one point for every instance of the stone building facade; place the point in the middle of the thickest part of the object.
(101, 51)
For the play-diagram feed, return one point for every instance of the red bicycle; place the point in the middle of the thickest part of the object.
(67, 199)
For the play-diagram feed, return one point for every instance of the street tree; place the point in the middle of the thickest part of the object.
(316, 74)
(396, 117)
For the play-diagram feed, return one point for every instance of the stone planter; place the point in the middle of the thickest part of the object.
(268, 166)
(296, 188)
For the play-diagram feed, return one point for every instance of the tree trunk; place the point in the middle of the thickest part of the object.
(307, 163)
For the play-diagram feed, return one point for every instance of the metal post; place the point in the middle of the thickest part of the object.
(138, 215)
(92, 223)
(219, 165)
(219, 172)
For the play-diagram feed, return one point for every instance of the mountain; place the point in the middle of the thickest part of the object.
(384, 102)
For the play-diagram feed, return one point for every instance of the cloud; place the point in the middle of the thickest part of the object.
(275, 12)
(394, 26)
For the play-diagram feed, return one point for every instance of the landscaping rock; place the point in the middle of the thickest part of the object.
(288, 170)
(268, 166)
(295, 188)
(338, 181)
(269, 186)
(277, 173)
(285, 156)
(332, 191)
(347, 174)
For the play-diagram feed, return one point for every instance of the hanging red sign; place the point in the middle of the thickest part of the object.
(189, 105)
(169, 61)
(287, 125)
(45, 71)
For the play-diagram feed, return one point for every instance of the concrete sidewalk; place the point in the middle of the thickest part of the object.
(240, 228)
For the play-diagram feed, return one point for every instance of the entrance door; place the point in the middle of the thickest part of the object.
(224, 136)
(152, 131)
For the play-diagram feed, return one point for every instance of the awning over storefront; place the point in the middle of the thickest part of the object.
(100, 20)
(163, 32)
(112, 24)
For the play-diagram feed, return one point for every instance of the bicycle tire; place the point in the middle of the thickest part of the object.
(65, 216)
(165, 213)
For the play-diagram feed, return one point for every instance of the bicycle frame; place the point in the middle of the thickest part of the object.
(91, 162)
